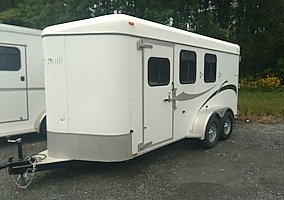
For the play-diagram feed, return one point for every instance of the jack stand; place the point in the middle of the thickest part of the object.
(20, 147)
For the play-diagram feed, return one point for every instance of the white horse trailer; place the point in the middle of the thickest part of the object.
(22, 98)
(118, 87)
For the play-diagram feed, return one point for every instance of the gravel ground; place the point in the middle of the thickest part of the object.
(248, 166)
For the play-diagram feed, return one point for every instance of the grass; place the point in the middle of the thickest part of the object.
(265, 107)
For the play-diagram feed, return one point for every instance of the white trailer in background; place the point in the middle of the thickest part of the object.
(22, 98)
(118, 87)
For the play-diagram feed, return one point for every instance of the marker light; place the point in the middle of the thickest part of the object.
(131, 23)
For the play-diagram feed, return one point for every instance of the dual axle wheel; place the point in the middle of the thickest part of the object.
(218, 129)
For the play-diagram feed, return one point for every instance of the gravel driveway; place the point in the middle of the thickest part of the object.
(250, 165)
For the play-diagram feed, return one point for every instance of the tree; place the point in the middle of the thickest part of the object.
(42, 13)
(257, 25)
(259, 31)
(5, 5)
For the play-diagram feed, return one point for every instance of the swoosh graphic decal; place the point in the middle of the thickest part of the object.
(184, 96)
(227, 87)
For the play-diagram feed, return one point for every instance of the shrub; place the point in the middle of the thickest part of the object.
(268, 83)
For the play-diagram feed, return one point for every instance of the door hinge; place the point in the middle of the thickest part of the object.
(141, 45)
(143, 146)
(174, 95)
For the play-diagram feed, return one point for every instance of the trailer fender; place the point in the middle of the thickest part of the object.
(202, 118)
(39, 120)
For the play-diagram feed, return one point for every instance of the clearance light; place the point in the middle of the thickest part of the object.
(131, 23)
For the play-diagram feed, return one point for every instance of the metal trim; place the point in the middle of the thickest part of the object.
(141, 45)
(143, 146)
(19, 89)
(39, 120)
(4, 122)
(90, 134)
(91, 147)
(26, 74)
(150, 144)
(143, 94)
(12, 44)
(158, 42)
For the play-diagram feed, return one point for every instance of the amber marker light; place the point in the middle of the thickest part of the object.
(131, 23)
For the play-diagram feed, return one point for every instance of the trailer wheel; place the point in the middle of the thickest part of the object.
(227, 124)
(211, 133)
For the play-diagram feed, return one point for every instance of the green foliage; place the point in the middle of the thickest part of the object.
(257, 25)
(259, 31)
(5, 5)
(261, 104)
(268, 83)
(42, 13)
(280, 68)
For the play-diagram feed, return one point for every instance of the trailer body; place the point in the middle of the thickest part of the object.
(119, 86)
(22, 96)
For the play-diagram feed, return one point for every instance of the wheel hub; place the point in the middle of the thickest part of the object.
(212, 133)
(227, 126)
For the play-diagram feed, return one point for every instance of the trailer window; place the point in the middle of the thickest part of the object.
(158, 71)
(210, 66)
(10, 59)
(187, 67)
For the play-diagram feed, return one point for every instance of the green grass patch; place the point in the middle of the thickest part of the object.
(261, 106)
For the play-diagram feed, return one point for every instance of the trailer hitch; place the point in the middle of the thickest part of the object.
(4, 166)
(22, 164)
(13, 164)
(20, 153)
(23, 167)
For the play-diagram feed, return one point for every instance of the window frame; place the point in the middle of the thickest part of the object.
(210, 67)
(18, 54)
(195, 61)
(169, 69)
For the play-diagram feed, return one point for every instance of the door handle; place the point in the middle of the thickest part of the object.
(173, 99)
(22, 78)
(168, 99)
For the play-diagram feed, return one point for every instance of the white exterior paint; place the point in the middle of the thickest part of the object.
(97, 85)
(158, 117)
(22, 102)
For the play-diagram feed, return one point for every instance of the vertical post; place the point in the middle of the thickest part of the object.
(20, 148)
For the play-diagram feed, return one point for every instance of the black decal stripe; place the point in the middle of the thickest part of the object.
(208, 99)
(227, 87)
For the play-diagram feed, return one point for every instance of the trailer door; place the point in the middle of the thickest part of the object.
(13, 84)
(158, 77)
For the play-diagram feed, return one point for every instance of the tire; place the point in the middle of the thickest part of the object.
(227, 125)
(211, 133)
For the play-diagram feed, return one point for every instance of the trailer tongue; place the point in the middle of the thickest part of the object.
(23, 168)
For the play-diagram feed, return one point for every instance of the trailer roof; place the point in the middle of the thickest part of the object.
(128, 25)
(19, 29)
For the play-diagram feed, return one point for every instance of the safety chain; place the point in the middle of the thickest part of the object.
(20, 180)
